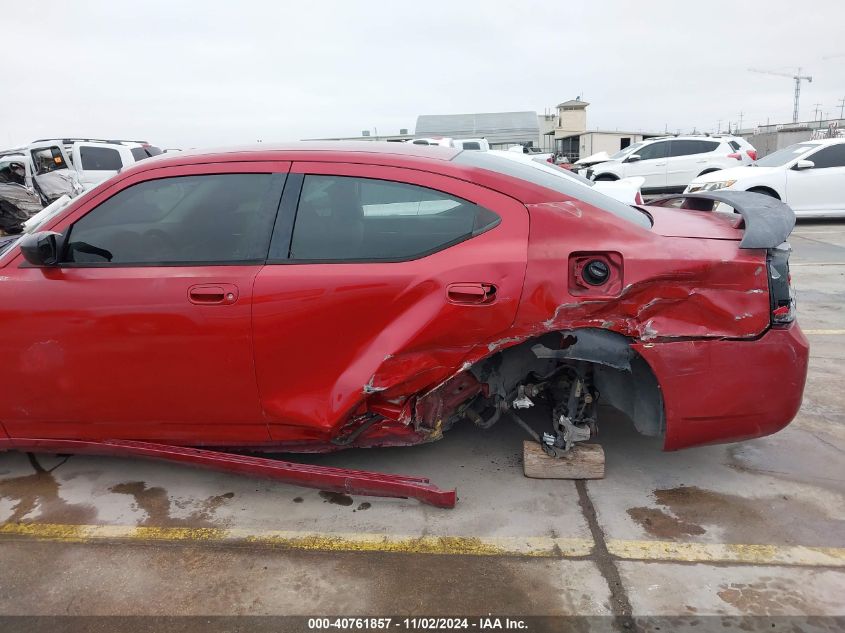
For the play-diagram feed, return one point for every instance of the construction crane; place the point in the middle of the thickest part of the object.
(797, 77)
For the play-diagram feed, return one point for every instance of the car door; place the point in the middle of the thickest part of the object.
(687, 159)
(143, 330)
(651, 164)
(821, 189)
(380, 283)
(97, 162)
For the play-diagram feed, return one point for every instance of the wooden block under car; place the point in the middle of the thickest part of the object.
(583, 461)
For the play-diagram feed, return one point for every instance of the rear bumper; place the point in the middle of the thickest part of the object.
(725, 391)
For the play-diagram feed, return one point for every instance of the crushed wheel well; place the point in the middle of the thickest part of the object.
(619, 374)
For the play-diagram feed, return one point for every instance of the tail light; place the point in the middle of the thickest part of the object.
(638, 199)
(752, 154)
(550, 160)
(736, 155)
(780, 285)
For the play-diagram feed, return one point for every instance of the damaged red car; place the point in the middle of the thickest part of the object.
(317, 297)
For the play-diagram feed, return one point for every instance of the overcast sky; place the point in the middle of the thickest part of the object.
(200, 73)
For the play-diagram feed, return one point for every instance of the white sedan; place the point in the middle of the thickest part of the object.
(809, 177)
(626, 190)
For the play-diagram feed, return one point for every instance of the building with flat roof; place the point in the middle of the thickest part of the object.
(500, 129)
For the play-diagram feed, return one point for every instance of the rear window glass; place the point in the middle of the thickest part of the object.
(471, 145)
(555, 183)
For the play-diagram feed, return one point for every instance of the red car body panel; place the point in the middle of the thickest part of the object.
(714, 388)
(306, 349)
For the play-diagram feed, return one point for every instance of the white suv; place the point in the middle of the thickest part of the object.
(96, 160)
(809, 177)
(669, 164)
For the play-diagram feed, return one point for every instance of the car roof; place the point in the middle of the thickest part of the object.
(335, 151)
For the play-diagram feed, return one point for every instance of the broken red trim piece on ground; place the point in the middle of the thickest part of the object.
(359, 482)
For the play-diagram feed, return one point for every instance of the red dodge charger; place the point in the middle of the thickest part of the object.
(313, 297)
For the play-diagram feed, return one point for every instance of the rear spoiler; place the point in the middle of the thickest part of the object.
(768, 221)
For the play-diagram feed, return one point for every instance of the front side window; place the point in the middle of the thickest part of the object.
(47, 159)
(833, 156)
(622, 153)
(221, 218)
(100, 158)
(341, 218)
(655, 150)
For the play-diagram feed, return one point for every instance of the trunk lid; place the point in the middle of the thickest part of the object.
(674, 222)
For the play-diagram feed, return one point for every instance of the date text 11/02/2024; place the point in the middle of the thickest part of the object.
(420, 623)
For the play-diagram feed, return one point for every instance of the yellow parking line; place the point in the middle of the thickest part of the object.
(824, 332)
(534, 546)
(728, 553)
(313, 541)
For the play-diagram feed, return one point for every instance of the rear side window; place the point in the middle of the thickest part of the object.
(471, 145)
(222, 218)
(341, 218)
(833, 156)
(569, 187)
(688, 148)
(734, 145)
(100, 158)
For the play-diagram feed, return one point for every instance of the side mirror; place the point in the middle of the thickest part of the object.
(41, 249)
(633, 158)
(803, 164)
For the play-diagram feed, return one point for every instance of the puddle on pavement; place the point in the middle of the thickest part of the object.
(658, 523)
(156, 503)
(691, 511)
(337, 498)
(38, 495)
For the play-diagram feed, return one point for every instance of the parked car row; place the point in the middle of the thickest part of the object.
(669, 164)
(35, 175)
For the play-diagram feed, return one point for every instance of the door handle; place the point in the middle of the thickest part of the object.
(213, 294)
(471, 293)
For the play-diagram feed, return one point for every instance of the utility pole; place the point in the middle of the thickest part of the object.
(740, 121)
(818, 109)
(719, 125)
(841, 107)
